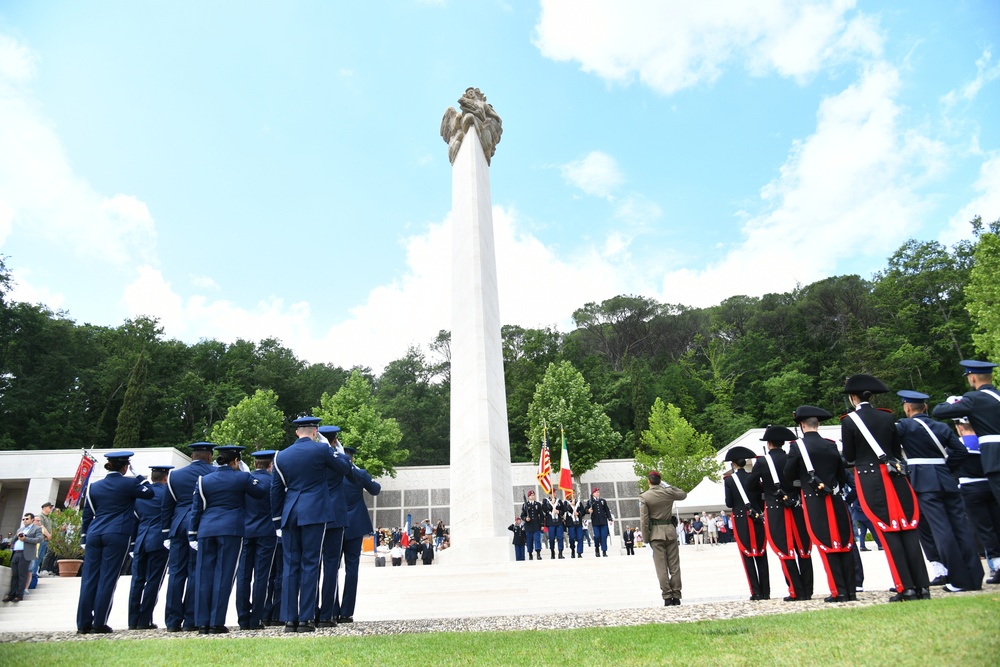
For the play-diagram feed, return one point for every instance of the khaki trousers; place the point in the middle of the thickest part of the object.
(667, 561)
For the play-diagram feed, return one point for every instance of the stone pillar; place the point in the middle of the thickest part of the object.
(40, 490)
(480, 448)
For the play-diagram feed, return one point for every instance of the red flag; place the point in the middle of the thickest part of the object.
(80, 480)
(565, 473)
(545, 465)
(405, 539)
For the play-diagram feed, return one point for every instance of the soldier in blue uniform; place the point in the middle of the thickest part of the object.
(531, 515)
(301, 506)
(519, 538)
(982, 407)
(149, 556)
(554, 525)
(872, 446)
(932, 451)
(333, 540)
(174, 522)
(359, 524)
(980, 505)
(107, 529)
(259, 542)
(216, 533)
(600, 519)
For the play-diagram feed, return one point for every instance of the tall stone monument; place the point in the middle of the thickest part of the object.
(481, 499)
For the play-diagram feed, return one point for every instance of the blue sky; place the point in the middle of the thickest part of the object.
(256, 169)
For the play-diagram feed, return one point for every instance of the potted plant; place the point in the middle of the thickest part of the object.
(65, 542)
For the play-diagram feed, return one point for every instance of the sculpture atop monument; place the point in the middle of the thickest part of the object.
(475, 111)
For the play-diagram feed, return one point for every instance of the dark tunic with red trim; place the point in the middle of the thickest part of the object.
(827, 516)
(888, 500)
(749, 533)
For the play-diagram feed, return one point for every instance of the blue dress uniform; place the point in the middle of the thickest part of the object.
(982, 407)
(554, 524)
(257, 556)
(827, 517)
(519, 538)
(301, 506)
(149, 557)
(531, 516)
(937, 492)
(359, 524)
(600, 517)
(107, 529)
(784, 521)
(174, 522)
(333, 543)
(217, 524)
(748, 525)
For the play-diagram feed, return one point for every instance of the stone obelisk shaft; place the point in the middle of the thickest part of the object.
(481, 500)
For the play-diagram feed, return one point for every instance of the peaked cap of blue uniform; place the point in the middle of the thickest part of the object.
(329, 429)
(229, 448)
(979, 367)
(119, 454)
(202, 446)
(161, 467)
(305, 422)
(264, 454)
(909, 396)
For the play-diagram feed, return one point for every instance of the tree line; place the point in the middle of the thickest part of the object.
(629, 365)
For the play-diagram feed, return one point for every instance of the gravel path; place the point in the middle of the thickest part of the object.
(622, 617)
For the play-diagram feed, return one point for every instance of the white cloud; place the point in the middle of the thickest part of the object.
(538, 287)
(205, 282)
(845, 191)
(17, 63)
(26, 292)
(596, 174)
(985, 73)
(672, 46)
(42, 198)
(985, 204)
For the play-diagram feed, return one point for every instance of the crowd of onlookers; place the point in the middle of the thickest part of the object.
(706, 528)
(422, 541)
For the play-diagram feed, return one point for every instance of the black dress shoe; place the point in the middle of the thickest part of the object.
(863, 549)
(924, 593)
(669, 602)
(8, 597)
(133, 627)
(83, 631)
(754, 598)
(308, 626)
(291, 627)
(906, 596)
(790, 598)
(835, 598)
(345, 619)
(677, 602)
(101, 630)
(939, 580)
(219, 630)
(326, 624)
(175, 628)
(151, 626)
(204, 631)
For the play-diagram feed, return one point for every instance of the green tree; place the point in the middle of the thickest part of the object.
(255, 423)
(983, 291)
(354, 409)
(131, 414)
(408, 393)
(563, 398)
(672, 446)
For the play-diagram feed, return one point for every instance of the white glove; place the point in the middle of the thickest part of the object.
(83, 547)
(277, 533)
(166, 544)
(132, 554)
(193, 544)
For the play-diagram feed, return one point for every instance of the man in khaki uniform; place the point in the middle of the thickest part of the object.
(655, 509)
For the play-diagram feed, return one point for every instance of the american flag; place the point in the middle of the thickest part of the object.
(545, 465)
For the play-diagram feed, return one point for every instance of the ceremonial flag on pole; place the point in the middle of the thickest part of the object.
(565, 473)
(405, 539)
(80, 480)
(545, 464)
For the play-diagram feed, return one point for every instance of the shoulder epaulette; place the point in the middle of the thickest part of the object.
(844, 415)
(885, 410)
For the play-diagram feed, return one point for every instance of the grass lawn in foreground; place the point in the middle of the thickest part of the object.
(959, 631)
